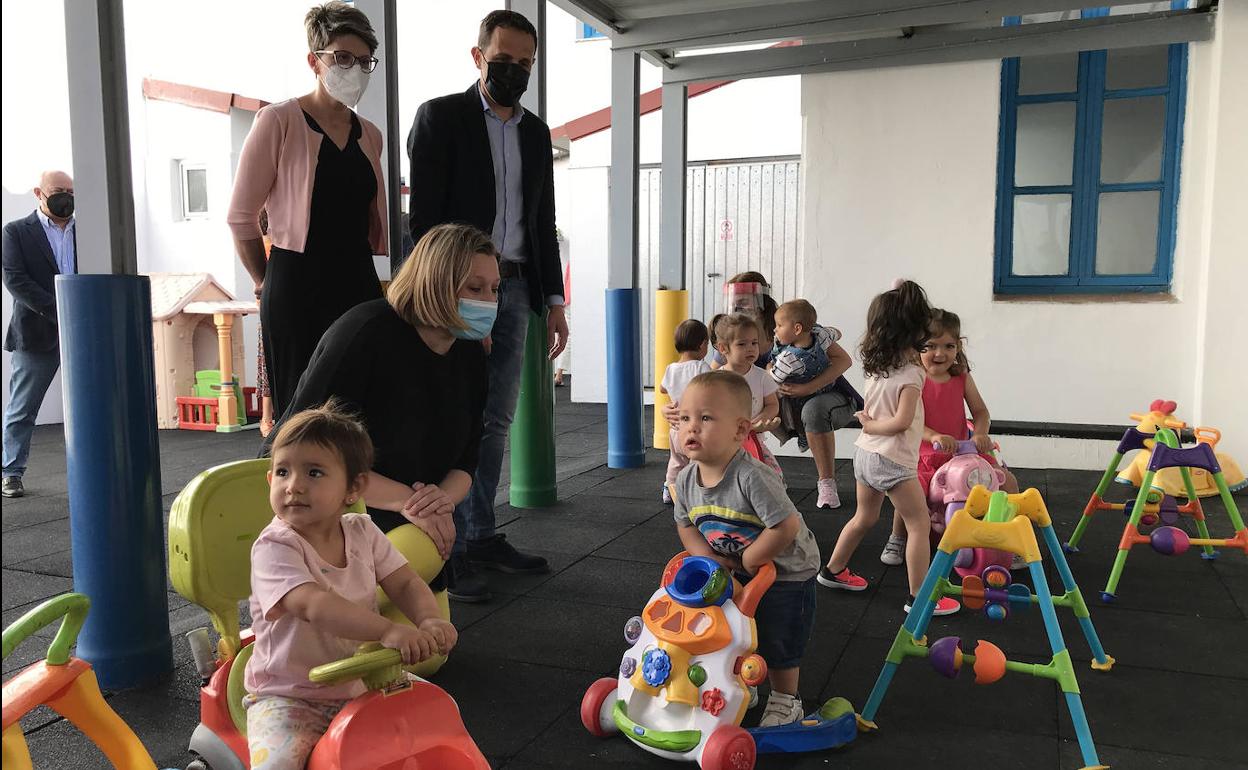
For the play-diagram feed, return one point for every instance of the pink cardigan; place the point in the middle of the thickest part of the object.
(276, 171)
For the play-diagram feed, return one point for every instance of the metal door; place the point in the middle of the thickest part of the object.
(741, 215)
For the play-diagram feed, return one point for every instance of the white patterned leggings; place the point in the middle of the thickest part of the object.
(281, 731)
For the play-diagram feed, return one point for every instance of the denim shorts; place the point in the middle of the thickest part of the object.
(785, 618)
(879, 472)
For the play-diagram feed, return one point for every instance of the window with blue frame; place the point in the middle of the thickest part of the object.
(1088, 170)
(587, 32)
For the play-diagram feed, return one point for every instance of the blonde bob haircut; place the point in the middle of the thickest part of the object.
(426, 290)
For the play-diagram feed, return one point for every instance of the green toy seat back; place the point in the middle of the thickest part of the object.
(212, 525)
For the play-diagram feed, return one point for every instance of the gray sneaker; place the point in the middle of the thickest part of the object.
(894, 552)
(782, 709)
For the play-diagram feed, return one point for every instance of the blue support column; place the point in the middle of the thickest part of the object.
(624, 401)
(113, 458)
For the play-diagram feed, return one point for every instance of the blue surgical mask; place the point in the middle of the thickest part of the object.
(479, 316)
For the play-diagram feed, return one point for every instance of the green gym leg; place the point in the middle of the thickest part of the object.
(1101, 489)
(1232, 510)
(1120, 561)
(1207, 551)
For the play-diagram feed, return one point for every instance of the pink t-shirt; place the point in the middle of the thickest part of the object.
(881, 397)
(287, 648)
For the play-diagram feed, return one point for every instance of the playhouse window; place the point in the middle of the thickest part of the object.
(1088, 169)
(193, 179)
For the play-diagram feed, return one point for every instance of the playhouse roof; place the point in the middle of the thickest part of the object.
(172, 292)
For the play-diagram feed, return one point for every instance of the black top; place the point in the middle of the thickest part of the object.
(452, 180)
(422, 410)
(29, 272)
(342, 197)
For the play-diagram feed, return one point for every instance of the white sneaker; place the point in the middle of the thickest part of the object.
(894, 552)
(828, 496)
(782, 709)
(1018, 563)
(667, 495)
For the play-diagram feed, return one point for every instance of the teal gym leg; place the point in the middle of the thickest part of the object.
(877, 693)
(1084, 733)
(921, 612)
(1068, 583)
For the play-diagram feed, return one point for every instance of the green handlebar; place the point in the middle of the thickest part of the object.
(359, 666)
(1166, 436)
(72, 607)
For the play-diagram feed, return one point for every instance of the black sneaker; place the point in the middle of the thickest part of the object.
(12, 487)
(497, 554)
(464, 582)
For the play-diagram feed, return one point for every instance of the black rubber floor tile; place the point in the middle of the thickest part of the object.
(642, 484)
(32, 542)
(1118, 756)
(506, 704)
(504, 584)
(593, 506)
(465, 614)
(22, 588)
(561, 534)
(1167, 712)
(546, 632)
(567, 744)
(654, 542)
(60, 563)
(608, 582)
(37, 507)
(917, 743)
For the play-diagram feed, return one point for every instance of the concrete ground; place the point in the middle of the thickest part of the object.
(1174, 699)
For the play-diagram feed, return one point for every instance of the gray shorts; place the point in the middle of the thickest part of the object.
(827, 412)
(879, 472)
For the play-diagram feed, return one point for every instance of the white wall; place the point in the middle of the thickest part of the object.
(900, 180)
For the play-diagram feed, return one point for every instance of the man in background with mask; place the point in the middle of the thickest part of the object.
(479, 157)
(35, 250)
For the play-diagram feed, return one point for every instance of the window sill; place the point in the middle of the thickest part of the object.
(1138, 298)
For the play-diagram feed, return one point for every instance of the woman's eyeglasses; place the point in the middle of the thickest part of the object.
(347, 60)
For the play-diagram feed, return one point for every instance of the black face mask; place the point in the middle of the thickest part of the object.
(61, 204)
(505, 81)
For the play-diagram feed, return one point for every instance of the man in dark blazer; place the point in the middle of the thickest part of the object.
(35, 250)
(479, 158)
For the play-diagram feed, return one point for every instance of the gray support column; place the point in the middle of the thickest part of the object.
(380, 105)
(623, 301)
(672, 217)
(622, 200)
(100, 137)
(534, 99)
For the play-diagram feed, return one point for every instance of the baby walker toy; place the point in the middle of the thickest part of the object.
(950, 486)
(1152, 506)
(66, 685)
(685, 682)
(400, 722)
(1003, 522)
(1169, 480)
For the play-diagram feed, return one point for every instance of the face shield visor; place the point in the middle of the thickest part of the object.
(745, 298)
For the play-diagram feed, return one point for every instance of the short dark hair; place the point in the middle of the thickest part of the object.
(690, 336)
(334, 19)
(507, 20)
(729, 381)
(332, 427)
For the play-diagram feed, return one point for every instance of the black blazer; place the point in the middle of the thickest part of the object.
(452, 180)
(29, 272)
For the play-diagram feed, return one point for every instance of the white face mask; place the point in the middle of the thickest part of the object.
(347, 86)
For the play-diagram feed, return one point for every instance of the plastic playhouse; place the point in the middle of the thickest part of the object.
(1005, 522)
(687, 678)
(1153, 506)
(65, 684)
(194, 341)
(402, 721)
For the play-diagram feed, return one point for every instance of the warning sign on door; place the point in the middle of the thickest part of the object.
(725, 229)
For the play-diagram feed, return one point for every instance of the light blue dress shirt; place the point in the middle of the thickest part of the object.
(508, 234)
(61, 241)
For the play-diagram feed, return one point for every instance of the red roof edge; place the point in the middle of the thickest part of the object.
(579, 128)
(200, 98)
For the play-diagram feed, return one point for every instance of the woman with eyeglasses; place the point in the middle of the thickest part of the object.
(315, 166)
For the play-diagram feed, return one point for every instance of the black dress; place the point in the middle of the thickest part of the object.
(422, 410)
(304, 293)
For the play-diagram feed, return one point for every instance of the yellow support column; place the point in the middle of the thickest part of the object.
(671, 307)
(227, 406)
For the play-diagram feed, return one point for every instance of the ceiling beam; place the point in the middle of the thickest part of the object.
(596, 13)
(938, 45)
(817, 18)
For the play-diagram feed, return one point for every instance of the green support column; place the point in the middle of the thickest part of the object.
(533, 429)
